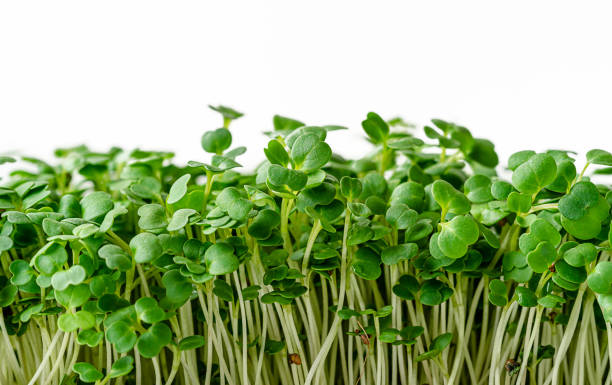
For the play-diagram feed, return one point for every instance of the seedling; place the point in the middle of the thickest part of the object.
(416, 264)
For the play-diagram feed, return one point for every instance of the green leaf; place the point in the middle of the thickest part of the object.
(350, 188)
(231, 200)
(115, 257)
(148, 310)
(152, 217)
(519, 202)
(347, 313)
(216, 141)
(526, 297)
(322, 194)
(95, 205)
(122, 367)
(264, 222)
(600, 279)
(411, 332)
(359, 233)
(498, 294)
(366, 264)
(73, 296)
(35, 196)
(501, 189)
(227, 112)
(601, 157)
(273, 347)
(569, 272)
(70, 207)
(359, 209)
(395, 254)
(457, 235)
(489, 236)
(535, 173)
(384, 311)
(90, 337)
(87, 372)
(540, 230)
(220, 259)
(376, 128)
(519, 158)
(281, 179)
(223, 290)
(449, 199)
(7, 159)
(477, 188)
(438, 345)
(566, 174)
(30, 312)
(483, 152)
(109, 218)
(309, 153)
(407, 287)
(73, 276)
(580, 255)
(276, 153)
(605, 302)
(145, 247)
(50, 258)
(191, 342)
(178, 288)
(581, 197)
(589, 226)
(250, 293)
(7, 295)
(146, 187)
(85, 230)
(551, 301)
(410, 194)
(121, 335)
(515, 267)
(434, 292)
(178, 189)
(282, 123)
(401, 216)
(542, 257)
(22, 272)
(277, 273)
(180, 218)
(6, 243)
(153, 340)
(70, 322)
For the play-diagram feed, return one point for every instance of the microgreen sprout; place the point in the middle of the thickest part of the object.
(416, 264)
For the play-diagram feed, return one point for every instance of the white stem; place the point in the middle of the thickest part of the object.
(567, 337)
(261, 351)
(46, 356)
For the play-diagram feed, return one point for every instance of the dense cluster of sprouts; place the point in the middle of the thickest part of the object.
(415, 264)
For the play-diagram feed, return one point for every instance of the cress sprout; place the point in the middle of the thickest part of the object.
(416, 264)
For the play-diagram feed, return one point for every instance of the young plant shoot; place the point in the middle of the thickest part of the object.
(416, 264)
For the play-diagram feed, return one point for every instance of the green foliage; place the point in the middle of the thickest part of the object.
(535, 173)
(210, 273)
(366, 264)
(376, 128)
(122, 367)
(87, 372)
(449, 199)
(437, 346)
(216, 141)
(457, 235)
(220, 259)
(178, 189)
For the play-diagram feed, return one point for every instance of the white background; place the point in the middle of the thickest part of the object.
(526, 74)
